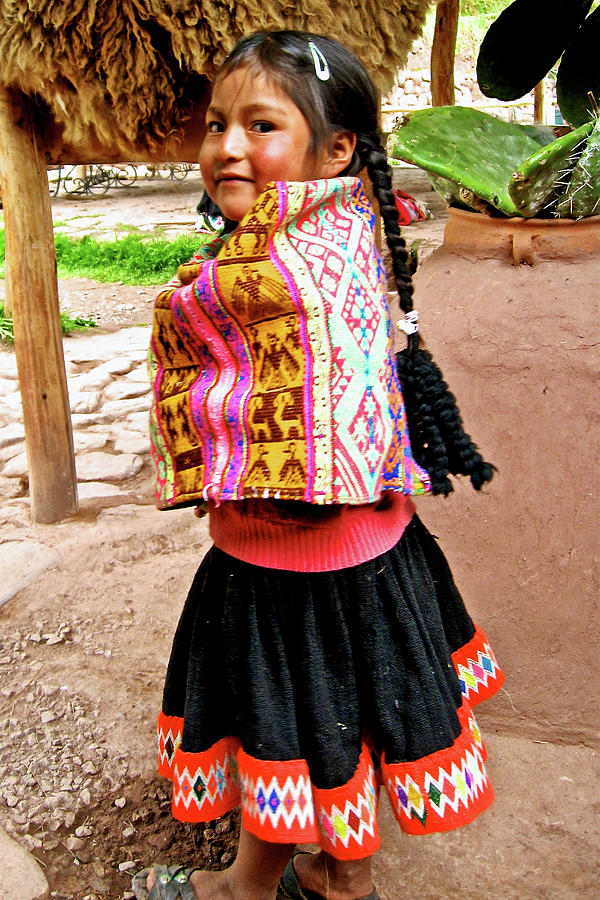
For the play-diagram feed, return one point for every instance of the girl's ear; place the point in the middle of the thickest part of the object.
(339, 153)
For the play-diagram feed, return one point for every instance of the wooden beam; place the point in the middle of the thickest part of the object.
(33, 291)
(539, 103)
(443, 51)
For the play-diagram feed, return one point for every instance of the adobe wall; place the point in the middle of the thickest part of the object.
(519, 347)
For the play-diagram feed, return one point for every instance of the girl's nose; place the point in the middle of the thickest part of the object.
(231, 145)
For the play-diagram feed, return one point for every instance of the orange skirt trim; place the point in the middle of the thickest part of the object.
(479, 674)
(444, 790)
(279, 802)
(439, 792)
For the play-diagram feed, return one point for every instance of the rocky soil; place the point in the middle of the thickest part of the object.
(72, 791)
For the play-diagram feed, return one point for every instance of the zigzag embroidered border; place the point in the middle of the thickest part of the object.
(444, 790)
(479, 674)
(279, 803)
(440, 792)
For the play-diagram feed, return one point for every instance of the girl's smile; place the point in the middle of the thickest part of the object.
(256, 134)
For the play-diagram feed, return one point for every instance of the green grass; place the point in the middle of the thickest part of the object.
(131, 259)
(68, 324)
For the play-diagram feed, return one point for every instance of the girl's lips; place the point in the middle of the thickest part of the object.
(222, 178)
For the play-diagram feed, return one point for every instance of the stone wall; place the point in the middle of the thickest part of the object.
(412, 90)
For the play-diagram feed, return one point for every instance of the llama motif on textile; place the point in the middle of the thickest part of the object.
(272, 364)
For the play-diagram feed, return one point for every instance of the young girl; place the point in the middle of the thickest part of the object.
(323, 649)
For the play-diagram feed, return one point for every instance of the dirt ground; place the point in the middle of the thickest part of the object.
(83, 653)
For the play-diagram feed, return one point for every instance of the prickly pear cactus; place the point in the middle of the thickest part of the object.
(477, 152)
(579, 75)
(537, 180)
(504, 70)
(582, 197)
(456, 194)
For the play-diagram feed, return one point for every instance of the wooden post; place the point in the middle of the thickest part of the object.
(539, 111)
(443, 51)
(33, 290)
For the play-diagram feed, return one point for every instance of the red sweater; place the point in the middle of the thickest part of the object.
(302, 537)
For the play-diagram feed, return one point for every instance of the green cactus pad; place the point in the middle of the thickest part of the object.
(457, 195)
(475, 151)
(579, 73)
(536, 181)
(542, 134)
(582, 197)
(523, 44)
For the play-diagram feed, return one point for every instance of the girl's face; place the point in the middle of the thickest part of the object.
(257, 134)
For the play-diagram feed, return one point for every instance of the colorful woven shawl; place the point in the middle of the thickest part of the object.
(272, 363)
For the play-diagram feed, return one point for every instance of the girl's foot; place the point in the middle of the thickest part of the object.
(254, 875)
(205, 885)
(333, 878)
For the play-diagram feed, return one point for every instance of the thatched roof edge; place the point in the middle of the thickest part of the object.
(117, 72)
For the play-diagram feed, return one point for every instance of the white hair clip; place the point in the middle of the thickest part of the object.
(410, 323)
(319, 62)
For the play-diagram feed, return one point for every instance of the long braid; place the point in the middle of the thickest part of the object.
(439, 441)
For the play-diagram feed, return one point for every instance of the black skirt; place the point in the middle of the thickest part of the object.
(321, 682)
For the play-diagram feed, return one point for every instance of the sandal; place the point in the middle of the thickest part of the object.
(172, 883)
(289, 887)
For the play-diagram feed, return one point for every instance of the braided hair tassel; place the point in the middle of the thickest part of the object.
(438, 439)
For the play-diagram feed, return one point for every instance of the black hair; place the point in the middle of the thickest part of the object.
(206, 206)
(347, 100)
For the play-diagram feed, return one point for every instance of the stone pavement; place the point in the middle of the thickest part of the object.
(109, 397)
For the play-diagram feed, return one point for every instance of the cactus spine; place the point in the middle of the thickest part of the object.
(536, 182)
(582, 195)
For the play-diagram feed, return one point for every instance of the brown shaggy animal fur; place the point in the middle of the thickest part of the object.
(140, 63)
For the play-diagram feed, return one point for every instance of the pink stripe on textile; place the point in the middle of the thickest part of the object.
(222, 388)
(236, 407)
(307, 399)
(210, 402)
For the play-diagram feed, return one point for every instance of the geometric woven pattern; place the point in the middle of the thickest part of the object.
(170, 729)
(280, 804)
(206, 785)
(444, 790)
(479, 674)
(277, 802)
(347, 817)
(271, 360)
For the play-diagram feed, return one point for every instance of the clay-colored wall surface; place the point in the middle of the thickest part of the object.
(520, 348)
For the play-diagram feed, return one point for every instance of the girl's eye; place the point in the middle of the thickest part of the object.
(214, 127)
(263, 127)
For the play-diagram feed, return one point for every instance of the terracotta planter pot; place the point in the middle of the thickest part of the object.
(519, 240)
